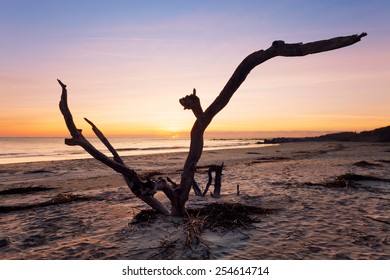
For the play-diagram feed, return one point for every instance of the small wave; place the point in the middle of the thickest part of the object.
(127, 149)
(150, 149)
(163, 148)
(228, 145)
(72, 153)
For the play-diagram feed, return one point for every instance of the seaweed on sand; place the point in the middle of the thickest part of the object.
(348, 180)
(217, 217)
(267, 160)
(37, 171)
(227, 216)
(221, 217)
(24, 190)
(145, 217)
(59, 199)
(366, 164)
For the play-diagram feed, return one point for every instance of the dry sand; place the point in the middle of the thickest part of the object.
(315, 217)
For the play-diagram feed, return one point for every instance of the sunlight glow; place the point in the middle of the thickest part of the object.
(127, 67)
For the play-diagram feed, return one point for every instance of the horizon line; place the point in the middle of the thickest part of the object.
(211, 134)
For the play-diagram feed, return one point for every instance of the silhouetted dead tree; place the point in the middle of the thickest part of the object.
(178, 193)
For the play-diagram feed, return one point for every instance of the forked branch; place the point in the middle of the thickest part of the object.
(143, 190)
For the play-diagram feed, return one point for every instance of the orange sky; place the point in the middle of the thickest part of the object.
(127, 66)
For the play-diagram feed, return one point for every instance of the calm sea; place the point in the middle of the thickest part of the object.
(16, 150)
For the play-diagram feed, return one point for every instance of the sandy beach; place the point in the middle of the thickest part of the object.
(330, 200)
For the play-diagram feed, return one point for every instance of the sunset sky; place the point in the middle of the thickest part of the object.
(127, 63)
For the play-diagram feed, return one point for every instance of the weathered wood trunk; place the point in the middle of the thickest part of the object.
(217, 169)
(178, 193)
(218, 181)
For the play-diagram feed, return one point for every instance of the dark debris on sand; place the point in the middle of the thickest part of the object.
(59, 199)
(221, 217)
(217, 217)
(227, 216)
(4, 242)
(38, 171)
(25, 190)
(366, 164)
(347, 180)
(145, 217)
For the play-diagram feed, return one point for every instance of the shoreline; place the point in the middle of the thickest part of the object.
(315, 218)
(53, 148)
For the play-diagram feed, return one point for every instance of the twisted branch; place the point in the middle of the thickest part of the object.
(203, 119)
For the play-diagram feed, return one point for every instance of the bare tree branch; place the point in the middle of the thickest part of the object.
(278, 48)
(143, 190)
(105, 141)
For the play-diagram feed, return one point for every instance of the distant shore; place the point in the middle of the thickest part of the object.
(376, 135)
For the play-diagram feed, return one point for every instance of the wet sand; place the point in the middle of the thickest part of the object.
(80, 209)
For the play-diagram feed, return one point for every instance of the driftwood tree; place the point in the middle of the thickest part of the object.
(178, 193)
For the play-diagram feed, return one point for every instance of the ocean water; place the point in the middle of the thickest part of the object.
(32, 149)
